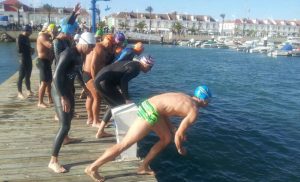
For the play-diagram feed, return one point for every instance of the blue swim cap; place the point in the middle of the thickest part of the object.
(202, 92)
(69, 29)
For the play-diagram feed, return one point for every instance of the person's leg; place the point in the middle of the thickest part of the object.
(96, 107)
(28, 71)
(89, 102)
(20, 80)
(48, 81)
(65, 121)
(136, 132)
(48, 90)
(114, 98)
(163, 132)
(42, 90)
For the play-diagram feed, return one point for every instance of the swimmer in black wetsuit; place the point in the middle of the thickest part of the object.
(112, 83)
(68, 67)
(25, 50)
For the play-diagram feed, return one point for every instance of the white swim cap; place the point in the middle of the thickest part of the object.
(76, 36)
(87, 38)
(45, 26)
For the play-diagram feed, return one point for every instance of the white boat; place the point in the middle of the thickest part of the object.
(222, 46)
(209, 44)
(296, 53)
(278, 52)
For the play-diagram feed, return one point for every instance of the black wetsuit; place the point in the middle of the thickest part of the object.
(68, 67)
(24, 49)
(59, 45)
(113, 77)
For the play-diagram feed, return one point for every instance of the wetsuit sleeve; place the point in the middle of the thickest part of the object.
(122, 56)
(19, 44)
(56, 48)
(23, 44)
(60, 72)
(132, 71)
(72, 18)
(80, 78)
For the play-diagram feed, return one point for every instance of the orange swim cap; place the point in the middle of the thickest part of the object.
(109, 37)
(139, 47)
(118, 50)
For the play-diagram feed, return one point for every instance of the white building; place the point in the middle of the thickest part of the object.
(256, 27)
(35, 16)
(163, 23)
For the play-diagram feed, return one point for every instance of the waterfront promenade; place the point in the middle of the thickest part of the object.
(27, 134)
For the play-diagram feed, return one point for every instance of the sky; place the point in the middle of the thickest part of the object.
(260, 9)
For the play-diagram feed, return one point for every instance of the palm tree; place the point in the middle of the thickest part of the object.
(123, 25)
(223, 17)
(17, 5)
(140, 26)
(48, 8)
(244, 25)
(177, 27)
(149, 9)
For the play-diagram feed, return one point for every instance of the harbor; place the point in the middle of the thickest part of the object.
(27, 133)
(149, 56)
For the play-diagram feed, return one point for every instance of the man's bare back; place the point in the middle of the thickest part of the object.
(174, 104)
(44, 46)
(97, 59)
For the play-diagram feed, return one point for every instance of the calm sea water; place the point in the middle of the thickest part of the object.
(8, 60)
(249, 132)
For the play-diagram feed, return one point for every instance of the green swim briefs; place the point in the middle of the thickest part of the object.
(147, 112)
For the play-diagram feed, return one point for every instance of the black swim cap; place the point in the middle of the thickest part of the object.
(27, 28)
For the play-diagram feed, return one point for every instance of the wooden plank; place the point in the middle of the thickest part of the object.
(26, 139)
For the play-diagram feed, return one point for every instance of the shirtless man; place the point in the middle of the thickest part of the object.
(101, 56)
(153, 115)
(44, 61)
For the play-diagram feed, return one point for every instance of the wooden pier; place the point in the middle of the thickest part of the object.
(26, 138)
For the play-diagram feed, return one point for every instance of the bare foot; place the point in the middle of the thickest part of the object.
(145, 171)
(89, 122)
(50, 101)
(30, 93)
(69, 140)
(103, 135)
(82, 95)
(57, 168)
(21, 96)
(94, 175)
(56, 117)
(42, 105)
(96, 124)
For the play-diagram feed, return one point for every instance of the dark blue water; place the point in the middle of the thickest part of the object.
(249, 132)
(8, 60)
